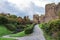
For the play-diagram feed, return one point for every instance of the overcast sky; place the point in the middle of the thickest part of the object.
(25, 7)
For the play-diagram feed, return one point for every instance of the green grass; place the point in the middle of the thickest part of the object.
(4, 31)
(20, 34)
(7, 39)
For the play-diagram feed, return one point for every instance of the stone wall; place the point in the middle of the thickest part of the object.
(41, 18)
(51, 13)
(35, 18)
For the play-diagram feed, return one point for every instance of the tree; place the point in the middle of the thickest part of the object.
(3, 20)
(13, 16)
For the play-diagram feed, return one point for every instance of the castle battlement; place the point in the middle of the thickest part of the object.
(51, 13)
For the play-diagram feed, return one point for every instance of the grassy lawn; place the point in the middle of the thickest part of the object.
(4, 31)
(7, 39)
(20, 34)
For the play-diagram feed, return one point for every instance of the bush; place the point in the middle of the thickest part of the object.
(3, 20)
(54, 29)
(19, 28)
(51, 29)
(54, 26)
(10, 27)
(51, 26)
(12, 21)
(44, 26)
(29, 29)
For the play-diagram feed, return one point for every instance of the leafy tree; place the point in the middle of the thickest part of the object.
(3, 20)
(13, 16)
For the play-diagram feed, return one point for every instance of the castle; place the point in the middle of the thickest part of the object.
(51, 13)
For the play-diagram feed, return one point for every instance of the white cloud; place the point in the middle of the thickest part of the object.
(26, 3)
(41, 3)
(22, 4)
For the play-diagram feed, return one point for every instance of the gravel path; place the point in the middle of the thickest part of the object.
(36, 35)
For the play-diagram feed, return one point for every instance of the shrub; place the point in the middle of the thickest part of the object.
(44, 26)
(19, 28)
(3, 20)
(54, 26)
(10, 27)
(29, 29)
(54, 29)
(12, 21)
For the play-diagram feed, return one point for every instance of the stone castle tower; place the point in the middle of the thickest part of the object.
(35, 18)
(51, 13)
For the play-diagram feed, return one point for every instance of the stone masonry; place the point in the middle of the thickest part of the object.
(51, 13)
